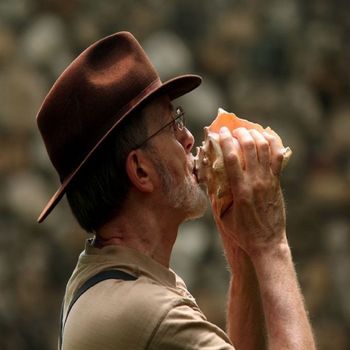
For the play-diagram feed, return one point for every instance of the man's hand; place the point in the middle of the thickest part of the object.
(253, 161)
(264, 292)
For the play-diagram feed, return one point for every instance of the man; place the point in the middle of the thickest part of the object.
(124, 159)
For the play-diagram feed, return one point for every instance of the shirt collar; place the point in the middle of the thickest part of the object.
(129, 260)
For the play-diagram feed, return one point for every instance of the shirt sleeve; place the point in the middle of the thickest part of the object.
(185, 327)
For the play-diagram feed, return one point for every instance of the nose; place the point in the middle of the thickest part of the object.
(186, 139)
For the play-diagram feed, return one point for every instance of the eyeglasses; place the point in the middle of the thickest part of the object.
(177, 122)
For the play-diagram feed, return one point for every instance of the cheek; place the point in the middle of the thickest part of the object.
(180, 161)
(175, 168)
(174, 158)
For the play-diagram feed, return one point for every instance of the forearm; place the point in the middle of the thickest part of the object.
(256, 223)
(287, 323)
(245, 318)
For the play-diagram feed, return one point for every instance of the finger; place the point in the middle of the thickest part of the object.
(262, 147)
(231, 152)
(274, 133)
(248, 147)
(276, 152)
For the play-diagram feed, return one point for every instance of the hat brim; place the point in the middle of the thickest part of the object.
(174, 88)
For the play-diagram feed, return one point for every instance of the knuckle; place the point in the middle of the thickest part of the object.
(225, 137)
(279, 156)
(231, 158)
(264, 146)
(255, 133)
(238, 130)
(259, 185)
(248, 145)
(271, 136)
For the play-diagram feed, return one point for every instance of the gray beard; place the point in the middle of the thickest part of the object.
(190, 197)
(187, 196)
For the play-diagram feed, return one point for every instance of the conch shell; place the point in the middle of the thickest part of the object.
(209, 162)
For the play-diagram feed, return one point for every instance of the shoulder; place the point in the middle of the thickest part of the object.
(185, 327)
(125, 313)
(140, 314)
(175, 320)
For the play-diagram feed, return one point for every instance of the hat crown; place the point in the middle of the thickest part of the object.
(89, 96)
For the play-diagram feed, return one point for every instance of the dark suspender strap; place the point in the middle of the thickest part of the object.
(101, 276)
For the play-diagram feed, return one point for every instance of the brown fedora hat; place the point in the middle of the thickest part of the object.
(92, 96)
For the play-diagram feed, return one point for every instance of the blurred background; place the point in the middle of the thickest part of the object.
(283, 63)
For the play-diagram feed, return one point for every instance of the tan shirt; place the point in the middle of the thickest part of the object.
(156, 311)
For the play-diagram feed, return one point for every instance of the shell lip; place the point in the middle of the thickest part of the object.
(195, 172)
(193, 168)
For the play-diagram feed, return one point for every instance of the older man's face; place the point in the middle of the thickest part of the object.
(171, 154)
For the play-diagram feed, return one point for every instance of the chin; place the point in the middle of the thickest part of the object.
(184, 195)
(195, 203)
(195, 214)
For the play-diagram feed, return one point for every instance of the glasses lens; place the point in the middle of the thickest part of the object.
(179, 118)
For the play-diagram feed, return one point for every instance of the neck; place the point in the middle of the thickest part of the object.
(145, 228)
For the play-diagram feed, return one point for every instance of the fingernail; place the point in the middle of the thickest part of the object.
(224, 131)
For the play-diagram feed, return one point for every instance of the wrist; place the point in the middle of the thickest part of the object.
(238, 261)
(276, 251)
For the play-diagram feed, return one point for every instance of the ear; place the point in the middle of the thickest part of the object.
(138, 170)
